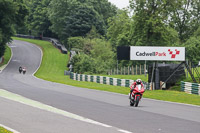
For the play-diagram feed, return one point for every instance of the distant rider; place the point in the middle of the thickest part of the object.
(137, 82)
(24, 70)
(20, 69)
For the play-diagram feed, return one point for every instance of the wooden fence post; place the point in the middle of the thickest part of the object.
(132, 69)
(128, 70)
(124, 70)
(136, 70)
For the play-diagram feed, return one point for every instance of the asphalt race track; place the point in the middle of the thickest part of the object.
(56, 108)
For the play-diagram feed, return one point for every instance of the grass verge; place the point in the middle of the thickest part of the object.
(54, 63)
(6, 57)
(3, 130)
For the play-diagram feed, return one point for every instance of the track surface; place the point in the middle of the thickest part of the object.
(112, 109)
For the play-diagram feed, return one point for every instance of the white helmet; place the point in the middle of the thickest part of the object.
(138, 81)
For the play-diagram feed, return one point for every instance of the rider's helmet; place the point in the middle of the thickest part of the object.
(138, 81)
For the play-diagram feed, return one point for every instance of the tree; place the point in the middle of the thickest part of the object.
(103, 55)
(192, 47)
(57, 12)
(83, 64)
(68, 16)
(150, 26)
(118, 31)
(11, 12)
(181, 18)
(97, 57)
(80, 22)
(195, 22)
(38, 18)
(104, 8)
(75, 43)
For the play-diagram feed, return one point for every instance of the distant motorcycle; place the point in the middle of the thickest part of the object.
(20, 69)
(136, 95)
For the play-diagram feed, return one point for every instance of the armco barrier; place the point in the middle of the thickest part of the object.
(105, 80)
(191, 88)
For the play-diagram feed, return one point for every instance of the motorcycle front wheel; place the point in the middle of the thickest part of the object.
(137, 101)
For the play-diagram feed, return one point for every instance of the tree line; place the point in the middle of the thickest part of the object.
(94, 28)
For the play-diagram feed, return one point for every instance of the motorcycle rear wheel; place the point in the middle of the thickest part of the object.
(132, 103)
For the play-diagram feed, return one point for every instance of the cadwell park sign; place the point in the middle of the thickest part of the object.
(157, 53)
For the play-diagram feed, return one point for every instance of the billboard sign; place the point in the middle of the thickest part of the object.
(157, 53)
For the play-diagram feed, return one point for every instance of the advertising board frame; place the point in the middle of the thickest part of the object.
(153, 53)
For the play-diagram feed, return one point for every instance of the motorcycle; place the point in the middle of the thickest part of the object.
(136, 95)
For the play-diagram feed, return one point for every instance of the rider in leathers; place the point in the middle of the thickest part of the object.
(137, 82)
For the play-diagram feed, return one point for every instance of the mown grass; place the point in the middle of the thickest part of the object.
(6, 56)
(173, 96)
(3, 130)
(54, 63)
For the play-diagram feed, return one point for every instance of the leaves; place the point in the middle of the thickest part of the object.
(119, 29)
(11, 12)
(72, 18)
(192, 47)
(80, 22)
(97, 57)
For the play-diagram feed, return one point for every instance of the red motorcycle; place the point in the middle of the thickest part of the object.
(136, 95)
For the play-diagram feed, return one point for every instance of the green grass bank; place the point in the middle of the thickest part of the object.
(6, 56)
(54, 63)
(3, 130)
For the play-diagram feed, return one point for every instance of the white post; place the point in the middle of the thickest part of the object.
(145, 68)
(117, 67)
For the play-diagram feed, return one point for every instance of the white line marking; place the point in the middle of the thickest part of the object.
(12, 46)
(26, 101)
(16, 60)
(40, 58)
(8, 128)
(124, 131)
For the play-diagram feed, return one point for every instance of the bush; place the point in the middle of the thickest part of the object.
(83, 63)
(75, 42)
(97, 57)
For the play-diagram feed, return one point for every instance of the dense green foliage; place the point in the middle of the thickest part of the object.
(12, 12)
(72, 18)
(149, 27)
(193, 47)
(119, 29)
(156, 15)
(97, 56)
(38, 18)
(80, 22)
